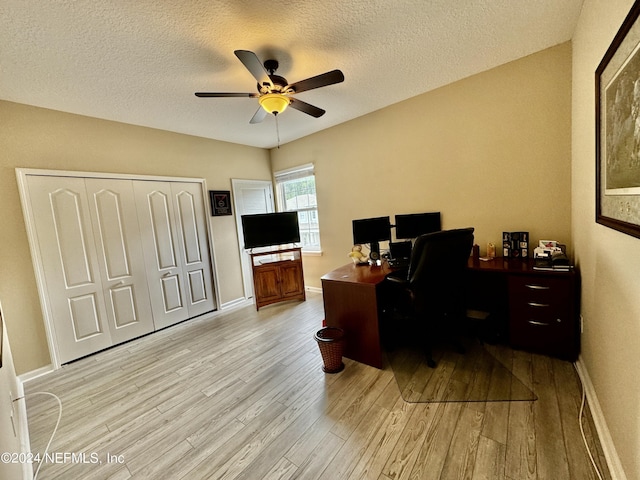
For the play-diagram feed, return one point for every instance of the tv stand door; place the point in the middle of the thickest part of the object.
(278, 280)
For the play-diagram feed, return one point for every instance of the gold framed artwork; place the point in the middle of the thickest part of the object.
(618, 130)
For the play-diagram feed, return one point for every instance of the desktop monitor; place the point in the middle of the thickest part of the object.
(415, 224)
(372, 231)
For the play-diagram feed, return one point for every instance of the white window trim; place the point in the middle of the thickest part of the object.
(293, 173)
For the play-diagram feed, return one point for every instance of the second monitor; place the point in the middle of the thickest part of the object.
(415, 224)
(372, 231)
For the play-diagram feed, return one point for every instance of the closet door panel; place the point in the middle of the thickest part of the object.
(197, 287)
(188, 227)
(85, 318)
(196, 264)
(115, 223)
(160, 244)
(161, 220)
(69, 226)
(123, 303)
(172, 295)
(68, 257)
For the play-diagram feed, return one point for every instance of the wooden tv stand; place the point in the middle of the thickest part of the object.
(277, 276)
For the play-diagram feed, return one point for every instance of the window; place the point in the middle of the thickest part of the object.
(296, 192)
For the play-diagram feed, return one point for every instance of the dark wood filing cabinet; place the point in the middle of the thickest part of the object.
(541, 307)
(543, 314)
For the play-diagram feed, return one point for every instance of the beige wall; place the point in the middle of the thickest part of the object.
(37, 138)
(491, 151)
(609, 260)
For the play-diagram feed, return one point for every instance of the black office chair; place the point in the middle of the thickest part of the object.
(434, 286)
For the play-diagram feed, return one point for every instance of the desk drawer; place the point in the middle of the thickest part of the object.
(542, 314)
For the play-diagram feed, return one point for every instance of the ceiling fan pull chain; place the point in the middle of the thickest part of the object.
(277, 130)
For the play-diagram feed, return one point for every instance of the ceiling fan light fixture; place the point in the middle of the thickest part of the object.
(274, 103)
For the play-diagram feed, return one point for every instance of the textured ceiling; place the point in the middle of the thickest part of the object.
(140, 61)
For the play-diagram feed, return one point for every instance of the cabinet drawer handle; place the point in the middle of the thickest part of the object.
(535, 322)
(535, 304)
(537, 287)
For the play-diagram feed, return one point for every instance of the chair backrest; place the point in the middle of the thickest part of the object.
(440, 258)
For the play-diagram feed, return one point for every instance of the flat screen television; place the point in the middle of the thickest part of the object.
(267, 229)
(413, 225)
(372, 231)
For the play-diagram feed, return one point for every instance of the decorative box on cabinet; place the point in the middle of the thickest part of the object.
(544, 313)
(277, 276)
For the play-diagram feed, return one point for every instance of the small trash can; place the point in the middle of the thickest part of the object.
(331, 343)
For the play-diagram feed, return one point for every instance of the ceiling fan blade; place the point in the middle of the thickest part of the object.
(259, 116)
(254, 65)
(306, 108)
(322, 80)
(222, 94)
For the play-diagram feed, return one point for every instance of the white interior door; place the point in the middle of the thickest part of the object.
(69, 261)
(159, 238)
(123, 272)
(194, 247)
(176, 250)
(250, 197)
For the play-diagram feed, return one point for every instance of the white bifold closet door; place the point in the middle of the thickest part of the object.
(120, 258)
(92, 260)
(176, 250)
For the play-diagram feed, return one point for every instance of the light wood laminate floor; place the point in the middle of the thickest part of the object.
(241, 395)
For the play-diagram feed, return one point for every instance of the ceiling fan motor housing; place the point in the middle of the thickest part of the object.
(279, 83)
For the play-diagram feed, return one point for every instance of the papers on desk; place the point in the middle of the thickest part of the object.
(551, 256)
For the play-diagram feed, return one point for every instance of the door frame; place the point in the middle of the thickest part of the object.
(247, 279)
(36, 259)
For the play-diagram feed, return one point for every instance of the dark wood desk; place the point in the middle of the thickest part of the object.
(535, 310)
(352, 301)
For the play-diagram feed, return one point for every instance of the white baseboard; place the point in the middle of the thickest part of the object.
(237, 303)
(313, 289)
(608, 448)
(33, 374)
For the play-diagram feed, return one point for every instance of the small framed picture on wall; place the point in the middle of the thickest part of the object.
(220, 202)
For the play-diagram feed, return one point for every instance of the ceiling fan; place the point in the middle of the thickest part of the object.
(275, 94)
